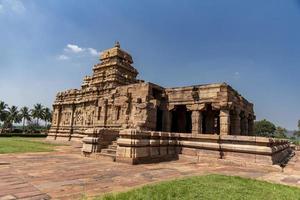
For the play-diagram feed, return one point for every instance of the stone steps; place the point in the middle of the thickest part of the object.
(112, 147)
(111, 157)
(109, 152)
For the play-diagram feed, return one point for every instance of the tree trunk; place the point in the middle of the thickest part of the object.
(23, 124)
(11, 127)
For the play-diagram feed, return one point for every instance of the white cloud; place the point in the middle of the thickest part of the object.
(93, 52)
(12, 6)
(237, 75)
(73, 48)
(62, 57)
(17, 6)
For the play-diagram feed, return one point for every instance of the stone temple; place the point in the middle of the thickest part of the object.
(115, 114)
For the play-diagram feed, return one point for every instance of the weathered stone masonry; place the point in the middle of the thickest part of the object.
(113, 101)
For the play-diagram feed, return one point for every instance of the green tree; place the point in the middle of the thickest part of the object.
(264, 128)
(280, 132)
(37, 112)
(47, 116)
(25, 115)
(13, 116)
(296, 134)
(3, 111)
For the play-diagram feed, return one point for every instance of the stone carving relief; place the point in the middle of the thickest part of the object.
(54, 119)
(78, 119)
(66, 118)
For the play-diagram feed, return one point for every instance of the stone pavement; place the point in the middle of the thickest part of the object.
(65, 174)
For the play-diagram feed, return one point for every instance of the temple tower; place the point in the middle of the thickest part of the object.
(115, 69)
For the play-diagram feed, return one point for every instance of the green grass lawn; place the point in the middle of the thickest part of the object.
(209, 187)
(22, 145)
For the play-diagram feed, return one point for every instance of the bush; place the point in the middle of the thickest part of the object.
(17, 130)
(34, 128)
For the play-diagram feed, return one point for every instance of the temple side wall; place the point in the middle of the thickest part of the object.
(129, 106)
(137, 147)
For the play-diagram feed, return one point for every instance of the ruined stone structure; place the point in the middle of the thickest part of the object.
(113, 102)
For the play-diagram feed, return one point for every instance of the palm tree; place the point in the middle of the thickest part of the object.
(37, 112)
(25, 115)
(47, 116)
(13, 116)
(3, 111)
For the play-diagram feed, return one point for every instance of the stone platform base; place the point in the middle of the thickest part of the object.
(137, 147)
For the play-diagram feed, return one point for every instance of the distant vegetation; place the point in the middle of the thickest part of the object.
(24, 120)
(296, 136)
(268, 129)
(297, 133)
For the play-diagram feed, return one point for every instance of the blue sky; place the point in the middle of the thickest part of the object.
(49, 46)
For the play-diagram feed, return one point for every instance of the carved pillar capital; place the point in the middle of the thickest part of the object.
(196, 107)
(170, 107)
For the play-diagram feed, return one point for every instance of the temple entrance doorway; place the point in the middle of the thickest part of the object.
(181, 120)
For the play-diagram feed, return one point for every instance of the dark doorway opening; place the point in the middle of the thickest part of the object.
(210, 120)
(159, 119)
(181, 120)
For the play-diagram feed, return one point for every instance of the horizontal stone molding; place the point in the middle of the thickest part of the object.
(135, 144)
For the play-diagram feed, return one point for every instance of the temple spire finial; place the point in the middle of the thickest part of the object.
(117, 44)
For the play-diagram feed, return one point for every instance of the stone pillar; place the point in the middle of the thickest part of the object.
(59, 116)
(246, 126)
(58, 121)
(244, 123)
(105, 112)
(236, 124)
(72, 120)
(167, 121)
(196, 122)
(224, 122)
(251, 126)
